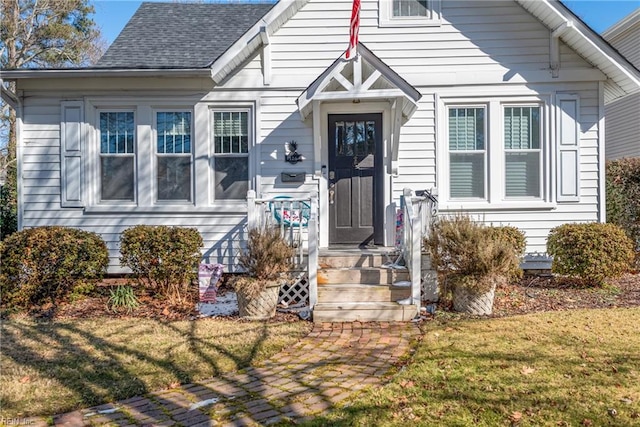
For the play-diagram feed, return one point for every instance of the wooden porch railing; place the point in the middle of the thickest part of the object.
(418, 212)
(297, 219)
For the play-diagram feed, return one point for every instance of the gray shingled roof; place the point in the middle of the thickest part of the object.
(180, 35)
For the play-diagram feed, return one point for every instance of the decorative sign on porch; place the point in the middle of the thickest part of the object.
(292, 213)
(208, 277)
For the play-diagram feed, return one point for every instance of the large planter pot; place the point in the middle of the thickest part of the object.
(261, 306)
(470, 301)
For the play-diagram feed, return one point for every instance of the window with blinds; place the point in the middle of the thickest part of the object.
(467, 153)
(117, 156)
(409, 13)
(410, 8)
(522, 152)
(173, 156)
(231, 154)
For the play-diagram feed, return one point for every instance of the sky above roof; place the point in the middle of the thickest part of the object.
(112, 15)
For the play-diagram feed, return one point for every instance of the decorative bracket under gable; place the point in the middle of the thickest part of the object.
(363, 78)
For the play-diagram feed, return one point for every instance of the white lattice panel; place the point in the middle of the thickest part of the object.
(296, 293)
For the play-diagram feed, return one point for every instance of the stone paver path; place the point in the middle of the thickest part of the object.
(331, 363)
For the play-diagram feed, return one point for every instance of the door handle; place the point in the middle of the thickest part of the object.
(332, 175)
(332, 193)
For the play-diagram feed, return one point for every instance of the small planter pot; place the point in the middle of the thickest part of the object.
(260, 307)
(473, 302)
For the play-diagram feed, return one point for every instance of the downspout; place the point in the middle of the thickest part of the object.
(14, 102)
(554, 48)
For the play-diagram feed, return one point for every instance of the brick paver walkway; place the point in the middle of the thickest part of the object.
(332, 362)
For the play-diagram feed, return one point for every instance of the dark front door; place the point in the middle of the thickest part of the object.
(356, 188)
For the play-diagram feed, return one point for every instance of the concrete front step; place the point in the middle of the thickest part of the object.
(363, 312)
(368, 275)
(355, 292)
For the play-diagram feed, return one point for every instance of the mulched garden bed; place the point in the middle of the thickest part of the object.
(535, 294)
(531, 294)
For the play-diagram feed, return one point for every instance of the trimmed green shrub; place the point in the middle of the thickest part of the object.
(164, 259)
(590, 251)
(460, 247)
(623, 198)
(45, 264)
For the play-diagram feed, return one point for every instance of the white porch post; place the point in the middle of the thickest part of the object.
(252, 210)
(313, 250)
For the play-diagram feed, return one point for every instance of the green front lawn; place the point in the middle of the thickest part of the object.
(569, 368)
(54, 367)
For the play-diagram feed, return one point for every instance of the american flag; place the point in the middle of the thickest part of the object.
(355, 28)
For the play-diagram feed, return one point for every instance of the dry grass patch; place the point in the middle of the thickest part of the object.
(54, 367)
(570, 368)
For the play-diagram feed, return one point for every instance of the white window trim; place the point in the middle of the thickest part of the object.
(97, 183)
(154, 140)
(251, 126)
(386, 18)
(495, 157)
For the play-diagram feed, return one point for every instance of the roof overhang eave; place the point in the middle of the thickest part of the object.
(588, 44)
(104, 72)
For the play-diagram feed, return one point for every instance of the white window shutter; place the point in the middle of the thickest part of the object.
(568, 146)
(71, 151)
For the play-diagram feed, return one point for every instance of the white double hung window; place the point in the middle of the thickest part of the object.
(231, 140)
(117, 156)
(522, 152)
(495, 153)
(467, 152)
(409, 12)
(173, 156)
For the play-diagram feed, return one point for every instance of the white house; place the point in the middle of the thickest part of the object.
(623, 116)
(499, 105)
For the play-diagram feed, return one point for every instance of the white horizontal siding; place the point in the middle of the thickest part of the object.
(623, 128)
(623, 116)
(474, 37)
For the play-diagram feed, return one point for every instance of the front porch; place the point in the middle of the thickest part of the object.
(353, 283)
